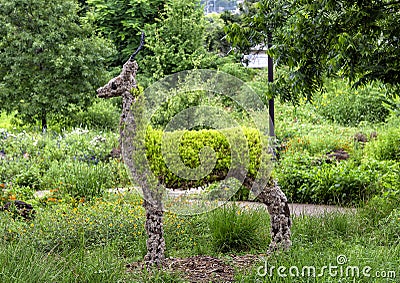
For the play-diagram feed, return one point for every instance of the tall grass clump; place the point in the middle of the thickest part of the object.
(235, 229)
(21, 262)
(80, 179)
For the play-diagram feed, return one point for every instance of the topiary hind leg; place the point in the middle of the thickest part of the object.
(278, 209)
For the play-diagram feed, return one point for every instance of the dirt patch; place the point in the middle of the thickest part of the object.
(202, 269)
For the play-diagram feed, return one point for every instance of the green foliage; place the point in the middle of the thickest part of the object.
(348, 106)
(20, 172)
(191, 144)
(215, 35)
(192, 90)
(175, 105)
(311, 180)
(314, 39)
(330, 226)
(102, 115)
(65, 227)
(79, 179)
(73, 164)
(96, 241)
(16, 192)
(386, 146)
(176, 40)
(238, 70)
(228, 189)
(51, 62)
(64, 243)
(5, 121)
(24, 256)
(121, 22)
(235, 229)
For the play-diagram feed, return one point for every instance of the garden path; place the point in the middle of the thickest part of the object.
(296, 209)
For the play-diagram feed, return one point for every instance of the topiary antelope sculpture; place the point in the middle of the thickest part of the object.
(125, 85)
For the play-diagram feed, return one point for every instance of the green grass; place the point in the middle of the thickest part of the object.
(94, 242)
(325, 241)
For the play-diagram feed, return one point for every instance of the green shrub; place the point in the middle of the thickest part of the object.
(191, 145)
(102, 115)
(380, 206)
(176, 104)
(39, 161)
(236, 229)
(16, 192)
(238, 70)
(311, 180)
(386, 146)
(292, 173)
(318, 143)
(347, 106)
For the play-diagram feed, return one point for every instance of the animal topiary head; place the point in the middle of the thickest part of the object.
(125, 81)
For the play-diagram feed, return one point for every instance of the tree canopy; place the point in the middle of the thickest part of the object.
(176, 40)
(50, 61)
(122, 21)
(354, 39)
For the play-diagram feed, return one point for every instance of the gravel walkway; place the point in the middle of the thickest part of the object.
(296, 209)
(299, 209)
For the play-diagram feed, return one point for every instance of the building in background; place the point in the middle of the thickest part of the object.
(219, 6)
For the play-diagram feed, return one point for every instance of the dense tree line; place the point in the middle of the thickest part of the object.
(51, 61)
(54, 54)
(358, 40)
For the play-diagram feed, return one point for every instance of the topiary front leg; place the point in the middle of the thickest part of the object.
(154, 229)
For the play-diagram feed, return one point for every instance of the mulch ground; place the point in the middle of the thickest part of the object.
(201, 269)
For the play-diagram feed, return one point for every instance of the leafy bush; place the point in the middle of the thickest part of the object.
(192, 144)
(42, 149)
(235, 229)
(102, 115)
(238, 70)
(349, 107)
(311, 180)
(16, 192)
(175, 105)
(318, 142)
(380, 206)
(386, 146)
(43, 161)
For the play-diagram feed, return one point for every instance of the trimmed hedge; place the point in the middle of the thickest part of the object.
(191, 144)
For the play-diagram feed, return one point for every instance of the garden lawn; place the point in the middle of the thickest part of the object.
(94, 242)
